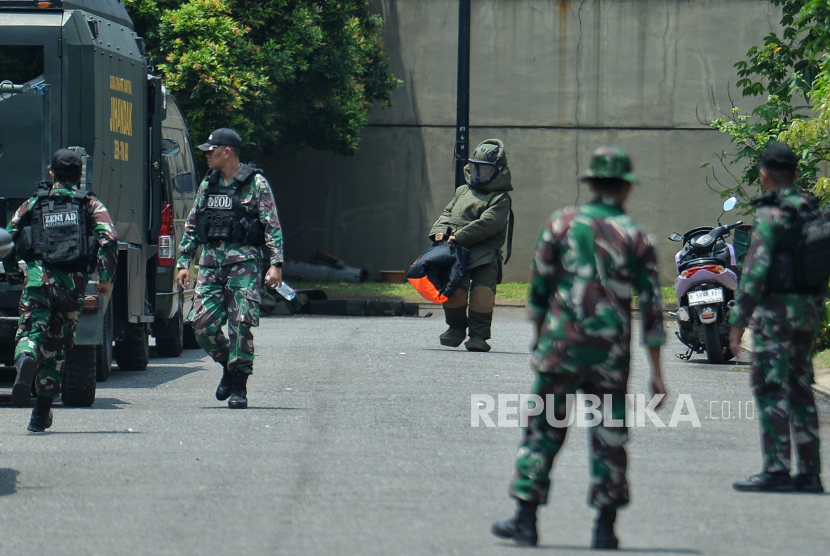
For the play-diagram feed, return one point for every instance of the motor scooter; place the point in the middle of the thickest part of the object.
(705, 287)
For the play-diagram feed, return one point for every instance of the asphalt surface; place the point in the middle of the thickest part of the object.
(358, 441)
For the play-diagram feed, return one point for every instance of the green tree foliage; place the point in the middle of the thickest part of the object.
(287, 73)
(788, 69)
(793, 70)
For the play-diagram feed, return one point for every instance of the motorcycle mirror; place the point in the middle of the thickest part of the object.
(675, 237)
(729, 204)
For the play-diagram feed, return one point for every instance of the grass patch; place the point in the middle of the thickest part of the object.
(822, 359)
(509, 290)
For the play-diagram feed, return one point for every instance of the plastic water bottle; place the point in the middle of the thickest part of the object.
(286, 291)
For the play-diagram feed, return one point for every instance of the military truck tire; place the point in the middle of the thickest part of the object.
(190, 338)
(103, 353)
(172, 346)
(133, 352)
(78, 388)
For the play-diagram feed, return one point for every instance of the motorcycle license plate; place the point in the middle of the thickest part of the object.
(706, 296)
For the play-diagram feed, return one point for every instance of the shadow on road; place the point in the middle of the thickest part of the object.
(49, 433)
(589, 549)
(250, 408)
(8, 481)
(160, 371)
(465, 352)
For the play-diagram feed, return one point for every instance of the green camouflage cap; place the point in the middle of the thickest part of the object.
(610, 162)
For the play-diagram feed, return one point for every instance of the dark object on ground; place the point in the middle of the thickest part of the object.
(307, 271)
(363, 308)
(766, 482)
(437, 273)
(274, 304)
(320, 257)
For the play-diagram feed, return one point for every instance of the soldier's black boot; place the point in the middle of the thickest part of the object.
(766, 482)
(26, 370)
(41, 415)
(479, 331)
(808, 482)
(522, 528)
(456, 318)
(223, 391)
(604, 530)
(239, 396)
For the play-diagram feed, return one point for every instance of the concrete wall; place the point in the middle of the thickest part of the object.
(553, 80)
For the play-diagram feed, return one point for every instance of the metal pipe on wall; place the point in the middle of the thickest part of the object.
(462, 125)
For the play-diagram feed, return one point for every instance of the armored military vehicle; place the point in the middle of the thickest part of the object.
(73, 74)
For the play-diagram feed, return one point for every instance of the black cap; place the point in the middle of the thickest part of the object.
(221, 137)
(66, 163)
(779, 157)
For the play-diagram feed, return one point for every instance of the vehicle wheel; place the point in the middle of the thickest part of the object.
(172, 346)
(78, 389)
(190, 338)
(714, 351)
(133, 352)
(103, 353)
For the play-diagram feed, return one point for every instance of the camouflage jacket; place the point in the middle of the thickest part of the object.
(753, 296)
(588, 261)
(40, 273)
(255, 195)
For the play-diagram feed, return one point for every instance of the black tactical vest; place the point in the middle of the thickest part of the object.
(60, 232)
(801, 258)
(222, 217)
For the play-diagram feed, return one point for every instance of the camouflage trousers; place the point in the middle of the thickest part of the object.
(227, 295)
(782, 372)
(46, 329)
(542, 441)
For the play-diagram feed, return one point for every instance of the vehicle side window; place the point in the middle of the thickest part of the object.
(184, 183)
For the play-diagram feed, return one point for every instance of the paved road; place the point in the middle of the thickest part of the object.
(358, 441)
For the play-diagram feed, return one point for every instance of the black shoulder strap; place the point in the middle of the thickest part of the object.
(213, 177)
(246, 172)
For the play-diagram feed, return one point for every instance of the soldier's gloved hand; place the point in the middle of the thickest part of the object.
(103, 287)
(183, 278)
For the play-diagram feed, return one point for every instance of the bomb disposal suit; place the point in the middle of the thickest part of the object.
(477, 218)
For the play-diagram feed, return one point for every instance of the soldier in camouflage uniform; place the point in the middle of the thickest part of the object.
(53, 295)
(477, 218)
(588, 261)
(227, 289)
(784, 324)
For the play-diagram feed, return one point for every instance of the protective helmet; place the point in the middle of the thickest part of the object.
(487, 161)
(609, 162)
